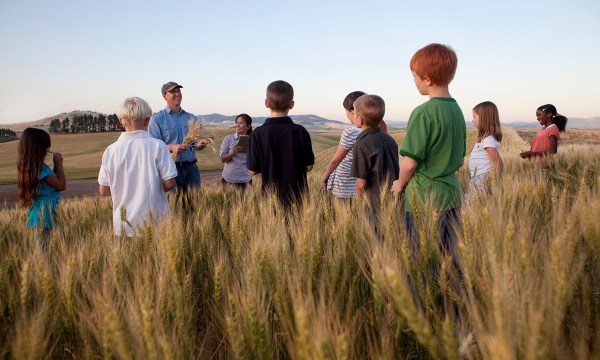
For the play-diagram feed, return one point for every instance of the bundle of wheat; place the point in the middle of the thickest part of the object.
(192, 135)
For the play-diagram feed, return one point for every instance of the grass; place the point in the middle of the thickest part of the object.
(220, 279)
(83, 153)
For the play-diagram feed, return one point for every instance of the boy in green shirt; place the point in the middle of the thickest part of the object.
(434, 147)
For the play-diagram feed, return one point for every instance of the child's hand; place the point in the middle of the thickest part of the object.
(323, 184)
(397, 188)
(57, 158)
(525, 154)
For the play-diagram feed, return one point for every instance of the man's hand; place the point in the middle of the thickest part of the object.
(176, 148)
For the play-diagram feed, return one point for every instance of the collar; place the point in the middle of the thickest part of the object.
(368, 131)
(279, 120)
(169, 110)
(449, 99)
(137, 134)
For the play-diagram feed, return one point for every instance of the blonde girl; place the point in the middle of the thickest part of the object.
(38, 186)
(485, 157)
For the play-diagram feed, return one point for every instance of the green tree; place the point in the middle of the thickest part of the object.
(101, 127)
(66, 125)
(7, 133)
(55, 126)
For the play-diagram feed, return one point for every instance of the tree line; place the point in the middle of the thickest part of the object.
(86, 124)
(7, 133)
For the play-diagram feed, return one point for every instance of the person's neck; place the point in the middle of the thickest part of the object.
(439, 91)
(279, 114)
(135, 128)
(175, 109)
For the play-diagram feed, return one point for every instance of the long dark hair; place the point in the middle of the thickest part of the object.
(33, 147)
(559, 120)
(247, 120)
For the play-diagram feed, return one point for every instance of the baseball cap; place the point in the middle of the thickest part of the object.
(169, 86)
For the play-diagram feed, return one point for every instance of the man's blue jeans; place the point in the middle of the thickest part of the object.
(188, 176)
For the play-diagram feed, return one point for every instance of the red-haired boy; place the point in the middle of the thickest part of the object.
(434, 147)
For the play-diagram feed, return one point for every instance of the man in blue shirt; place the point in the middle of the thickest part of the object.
(171, 125)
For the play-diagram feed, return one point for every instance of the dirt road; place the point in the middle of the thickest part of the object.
(87, 187)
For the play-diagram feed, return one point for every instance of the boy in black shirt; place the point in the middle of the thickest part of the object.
(375, 162)
(280, 150)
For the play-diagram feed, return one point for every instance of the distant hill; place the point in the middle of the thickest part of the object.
(575, 123)
(45, 122)
(310, 121)
(313, 122)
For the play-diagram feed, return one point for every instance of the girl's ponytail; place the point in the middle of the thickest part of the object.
(557, 119)
(560, 122)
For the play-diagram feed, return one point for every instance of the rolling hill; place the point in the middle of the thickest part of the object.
(310, 121)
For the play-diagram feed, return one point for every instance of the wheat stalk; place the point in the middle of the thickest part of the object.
(207, 137)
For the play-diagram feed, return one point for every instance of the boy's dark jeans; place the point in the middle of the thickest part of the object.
(449, 229)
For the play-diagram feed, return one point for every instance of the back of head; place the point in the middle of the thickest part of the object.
(33, 147)
(436, 61)
(133, 111)
(489, 120)
(280, 95)
(371, 109)
(351, 98)
(558, 119)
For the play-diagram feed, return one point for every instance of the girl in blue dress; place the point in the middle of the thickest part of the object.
(39, 187)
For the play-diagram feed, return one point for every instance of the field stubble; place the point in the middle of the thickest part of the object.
(221, 279)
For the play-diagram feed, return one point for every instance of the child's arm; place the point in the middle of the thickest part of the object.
(361, 186)
(169, 184)
(104, 190)
(340, 154)
(553, 149)
(407, 169)
(495, 158)
(58, 181)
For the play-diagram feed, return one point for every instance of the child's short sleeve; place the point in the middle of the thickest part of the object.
(490, 142)
(348, 138)
(103, 175)
(253, 153)
(45, 171)
(309, 155)
(415, 144)
(553, 131)
(165, 164)
(360, 162)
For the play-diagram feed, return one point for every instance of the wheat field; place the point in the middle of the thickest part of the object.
(229, 277)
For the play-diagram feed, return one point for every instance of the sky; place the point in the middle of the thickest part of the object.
(59, 56)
